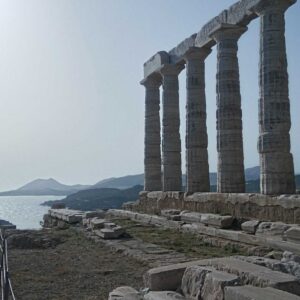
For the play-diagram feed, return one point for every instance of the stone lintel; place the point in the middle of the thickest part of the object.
(272, 5)
(170, 69)
(155, 62)
(154, 80)
(197, 53)
(225, 31)
(177, 53)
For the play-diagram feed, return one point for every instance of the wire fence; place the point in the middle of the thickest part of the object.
(6, 287)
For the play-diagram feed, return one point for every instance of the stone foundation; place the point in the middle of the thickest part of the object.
(284, 208)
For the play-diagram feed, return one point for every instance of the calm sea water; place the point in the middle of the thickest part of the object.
(25, 211)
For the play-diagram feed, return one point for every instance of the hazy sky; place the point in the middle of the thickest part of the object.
(71, 106)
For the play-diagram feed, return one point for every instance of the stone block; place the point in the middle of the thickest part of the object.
(215, 283)
(207, 219)
(293, 234)
(108, 234)
(250, 226)
(166, 278)
(206, 283)
(254, 274)
(170, 212)
(274, 230)
(125, 293)
(193, 281)
(93, 214)
(255, 293)
(97, 223)
(166, 295)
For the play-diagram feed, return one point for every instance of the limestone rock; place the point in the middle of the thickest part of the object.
(274, 230)
(125, 293)
(207, 219)
(250, 226)
(215, 282)
(166, 295)
(113, 233)
(97, 223)
(193, 281)
(206, 283)
(293, 235)
(93, 214)
(255, 293)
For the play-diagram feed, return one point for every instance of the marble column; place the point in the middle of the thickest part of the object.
(276, 161)
(197, 168)
(171, 143)
(231, 177)
(152, 150)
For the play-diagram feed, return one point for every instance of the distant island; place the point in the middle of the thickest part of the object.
(103, 198)
(42, 187)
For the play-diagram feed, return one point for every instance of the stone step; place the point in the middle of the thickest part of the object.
(166, 295)
(169, 277)
(207, 219)
(255, 293)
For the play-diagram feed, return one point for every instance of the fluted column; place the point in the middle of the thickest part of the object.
(152, 151)
(231, 177)
(276, 161)
(197, 167)
(171, 144)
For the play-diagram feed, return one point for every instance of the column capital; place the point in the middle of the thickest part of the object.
(153, 81)
(228, 31)
(272, 5)
(197, 53)
(169, 69)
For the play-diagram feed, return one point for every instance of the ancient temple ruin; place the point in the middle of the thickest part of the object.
(163, 170)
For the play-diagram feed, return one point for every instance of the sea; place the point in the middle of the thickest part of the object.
(26, 212)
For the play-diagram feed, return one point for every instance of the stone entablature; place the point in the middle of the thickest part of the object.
(276, 160)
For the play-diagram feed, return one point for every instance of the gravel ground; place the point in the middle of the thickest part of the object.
(58, 265)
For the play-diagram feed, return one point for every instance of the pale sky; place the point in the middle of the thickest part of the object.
(71, 106)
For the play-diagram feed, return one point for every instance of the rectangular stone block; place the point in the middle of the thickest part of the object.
(293, 235)
(255, 293)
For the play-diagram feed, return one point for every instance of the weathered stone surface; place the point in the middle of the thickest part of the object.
(166, 278)
(275, 230)
(197, 169)
(254, 274)
(231, 173)
(255, 293)
(207, 219)
(97, 223)
(67, 215)
(154, 64)
(152, 155)
(113, 233)
(293, 234)
(206, 283)
(250, 226)
(171, 146)
(276, 162)
(215, 283)
(166, 295)
(93, 214)
(125, 293)
(170, 212)
(193, 280)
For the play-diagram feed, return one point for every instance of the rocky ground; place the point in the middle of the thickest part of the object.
(64, 264)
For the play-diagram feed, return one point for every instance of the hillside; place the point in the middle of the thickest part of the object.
(40, 187)
(103, 198)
